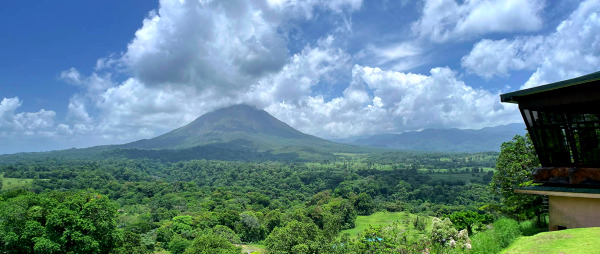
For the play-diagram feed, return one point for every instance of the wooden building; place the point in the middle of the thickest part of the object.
(563, 120)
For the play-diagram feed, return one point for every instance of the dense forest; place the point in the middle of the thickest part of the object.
(211, 206)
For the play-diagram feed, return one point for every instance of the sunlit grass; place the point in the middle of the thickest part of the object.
(382, 218)
(15, 183)
(579, 240)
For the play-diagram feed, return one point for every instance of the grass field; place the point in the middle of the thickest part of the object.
(15, 183)
(578, 240)
(445, 170)
(252, 248)
(380, 218)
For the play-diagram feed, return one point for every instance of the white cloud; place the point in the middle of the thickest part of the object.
(442, 20)
(572, 50)
(25, 131)
(305, 69)
(30, 123)
(401, 56)
(305, 8)
(192, 57)
(213, 45)
(490, 58)
(399, 102)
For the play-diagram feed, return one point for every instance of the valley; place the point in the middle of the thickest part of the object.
(247, 181)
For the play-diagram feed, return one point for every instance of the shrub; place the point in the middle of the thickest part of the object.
(485, 243)
(507, 231)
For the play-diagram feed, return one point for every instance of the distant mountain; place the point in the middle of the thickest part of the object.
(239, 132)
(447, 140)
(251, 126)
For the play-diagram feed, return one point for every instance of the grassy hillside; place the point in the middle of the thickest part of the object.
(579, 240)
(382, 218)
(15, 183)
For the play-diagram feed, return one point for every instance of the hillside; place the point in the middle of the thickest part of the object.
(447, 140)
(239, 132)
(578, 240)
(242, 125)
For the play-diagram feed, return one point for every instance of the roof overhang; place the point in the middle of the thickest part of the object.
(559, 191)
(577, 90)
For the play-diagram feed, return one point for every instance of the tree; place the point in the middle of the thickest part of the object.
(468, 219)
(296, 236)
(76, 222)
(514, 168)
(178, 244)
(210, 243)
(364, 204)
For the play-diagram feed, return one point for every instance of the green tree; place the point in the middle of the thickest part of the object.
(132, 244)
(514, 168)
(77, 222)
(296, 236)
(210, 243)
(364, 204)
(469, 219)
(178, 244)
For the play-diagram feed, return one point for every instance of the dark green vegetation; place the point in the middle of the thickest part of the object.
(448, 140)
(176, 206)
(265, 184)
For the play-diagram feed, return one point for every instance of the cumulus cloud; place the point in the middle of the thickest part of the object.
(399, 102)
(192, 57)
(319, 63)
(215, 45)
(22, 131)
(306, 8)
(30, 123)
(490, 58)
(442, 20)
(572, 50)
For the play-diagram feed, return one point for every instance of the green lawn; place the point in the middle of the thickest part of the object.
(380, 218)
(15, 183)
(578, 240)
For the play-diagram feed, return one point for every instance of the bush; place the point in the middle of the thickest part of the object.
(507, 231)
(485, 243)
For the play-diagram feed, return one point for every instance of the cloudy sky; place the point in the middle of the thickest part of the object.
(81, 73)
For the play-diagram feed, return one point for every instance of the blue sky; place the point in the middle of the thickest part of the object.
(83, 73)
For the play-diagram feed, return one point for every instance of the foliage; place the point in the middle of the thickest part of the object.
(296, 236)
(507, 231)
(227, 233)
(364, 204)
(504, 232)
(485, 243)
(514, 168)
(158, 206)
(444, 234)
(79, 222)
(469, 219)
(208, 243)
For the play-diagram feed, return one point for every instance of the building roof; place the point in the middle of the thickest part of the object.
(516, 96)
(559, 191)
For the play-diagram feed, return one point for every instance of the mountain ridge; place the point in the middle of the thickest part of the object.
(447, 140)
